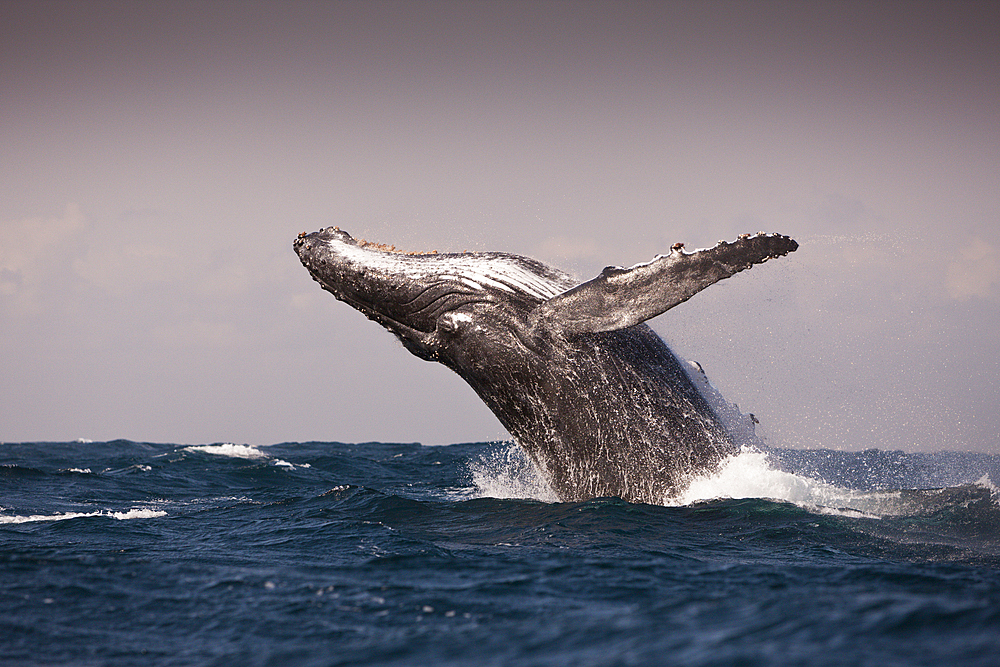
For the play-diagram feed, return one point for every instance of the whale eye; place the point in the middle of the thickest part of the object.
(453, 323)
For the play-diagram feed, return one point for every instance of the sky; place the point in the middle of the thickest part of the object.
(158, 160)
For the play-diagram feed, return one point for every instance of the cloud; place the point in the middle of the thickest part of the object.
(197, 334)
(32, 255)
(974, 272)
(118, 269)
(568, 248)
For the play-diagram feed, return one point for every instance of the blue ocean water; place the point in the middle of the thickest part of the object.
(126, 553)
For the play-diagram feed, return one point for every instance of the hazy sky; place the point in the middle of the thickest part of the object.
(158, 159)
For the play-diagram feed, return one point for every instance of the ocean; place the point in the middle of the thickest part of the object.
(324, 553)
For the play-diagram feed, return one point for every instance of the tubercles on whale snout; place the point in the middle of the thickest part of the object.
(331, 234)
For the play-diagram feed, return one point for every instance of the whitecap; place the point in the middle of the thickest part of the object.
(750, 474)
(136, 513)
(288, 464)
(241, 452)
(230, 450)
(986, 483)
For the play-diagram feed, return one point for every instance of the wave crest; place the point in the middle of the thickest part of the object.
(506, 472)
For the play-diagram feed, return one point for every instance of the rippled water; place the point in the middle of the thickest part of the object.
(126, 553)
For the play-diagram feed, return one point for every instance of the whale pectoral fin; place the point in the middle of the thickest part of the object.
(620, 298)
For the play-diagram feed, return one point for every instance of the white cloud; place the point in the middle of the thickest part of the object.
(197, 334)
(975, 271)
(119, 268)
(32, 251)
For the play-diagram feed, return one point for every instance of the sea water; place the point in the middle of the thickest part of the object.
(322, 553)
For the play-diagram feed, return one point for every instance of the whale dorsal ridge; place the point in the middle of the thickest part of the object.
(620, 298)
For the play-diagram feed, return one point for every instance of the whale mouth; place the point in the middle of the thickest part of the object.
(379, 272)
(364, 243)
(404, 291)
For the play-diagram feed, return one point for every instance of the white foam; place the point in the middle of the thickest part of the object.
(229, 449)
(120, 516)
(138, 514)
(988, 484)
(241, 452)
(749, 474)
(507, 473)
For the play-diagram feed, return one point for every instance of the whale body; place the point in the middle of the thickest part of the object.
(596, 399)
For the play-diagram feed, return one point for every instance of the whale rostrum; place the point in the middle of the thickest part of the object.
(596, 399)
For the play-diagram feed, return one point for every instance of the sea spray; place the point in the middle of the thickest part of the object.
(750, 473)
(506, 472)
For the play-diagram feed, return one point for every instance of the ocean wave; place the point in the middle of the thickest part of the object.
(507, 473)
(752, 474)
(240, 452)
(228, 449)
(986, 483)
(413, 547)
(135, 513)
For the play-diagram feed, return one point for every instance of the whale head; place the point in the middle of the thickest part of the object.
(431, 300)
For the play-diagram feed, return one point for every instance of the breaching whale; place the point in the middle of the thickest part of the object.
(596, 399)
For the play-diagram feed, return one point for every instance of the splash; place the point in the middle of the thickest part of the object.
(750, 474)
(986, 483)
(506, 472)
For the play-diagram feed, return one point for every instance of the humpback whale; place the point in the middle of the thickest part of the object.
(596, 399)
